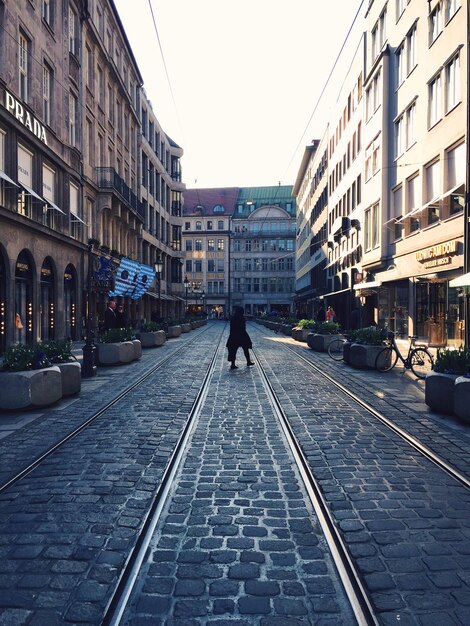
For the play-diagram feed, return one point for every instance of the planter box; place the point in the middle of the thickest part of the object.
(173, 331)
(33, 388)
(363, 355)
(71, 374)
(186, 328)
(301, 334)
(117, 353)
(319, 343)
(286, 329)
(152, 338)
(137, 349)
(462, 398)
(439, 392)
(346, 350)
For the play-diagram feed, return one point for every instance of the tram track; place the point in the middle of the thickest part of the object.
(350, 578)
(26, 470)
(412, 441)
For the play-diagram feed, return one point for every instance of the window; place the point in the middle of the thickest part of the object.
(397, 204)
(410, 117)
(399, 136)
(72, 28)
(46, 93)
(435, 23)
(220, 265)
(400, 4)
(218, 208)
(198, 225)
(451, 8)
(187, 226)
(411, 49)
(220, 245)
(435, 100)
(432, 190)
(400, 64)
(371, 218)
(220, 225)
(210, 245)
(48, 192)
(413, 203)
(378, 36)
(89, 66)
(209, 224)
(455, 182)
(76, 222)
(189, 245)
(198, 266)
(198, 245)
(46, 11)
(72, 120)
(452, 73)
(373, 96)
(211, 265)
(23, 54)
(189, 266)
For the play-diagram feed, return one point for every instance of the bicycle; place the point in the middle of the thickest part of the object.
(335, 348)
(419, 360)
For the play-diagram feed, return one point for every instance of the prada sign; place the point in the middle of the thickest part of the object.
(15, 107)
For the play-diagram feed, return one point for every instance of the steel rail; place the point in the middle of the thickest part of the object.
(29, 468)
(410, 439)
(118, 602)
(350, 578)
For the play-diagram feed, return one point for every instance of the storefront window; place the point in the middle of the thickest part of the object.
(393, 307)
(47, 301)
(70, 303)
(431, 312)
(23, 299)
(3, 291)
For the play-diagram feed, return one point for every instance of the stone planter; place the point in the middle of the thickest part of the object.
(71, 374)
(137, 349)
(32, 388)
(346, 350)
(462, 398)
(319, 343)
(300, 334)
(440, 392)
(173, 331)
(117, 353)
(286, 329)
(152, 339)
(186, 328)
(363, 355)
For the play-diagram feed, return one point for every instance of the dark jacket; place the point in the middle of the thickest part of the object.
(238, 337)
(109, 319)
(121, 320)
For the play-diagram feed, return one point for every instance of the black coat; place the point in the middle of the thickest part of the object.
(109, 319)
(238, 337)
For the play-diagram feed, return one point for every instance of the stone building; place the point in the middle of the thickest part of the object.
(262, 250)
(206, 243)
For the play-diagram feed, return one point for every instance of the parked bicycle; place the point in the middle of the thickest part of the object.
(335, 348)
(419, 360)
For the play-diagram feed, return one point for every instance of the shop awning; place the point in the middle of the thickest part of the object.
(51, 205)
(31, 192)
(334, 293)
(7, 178)
(75, 218)
(460, 281)
(370, 285)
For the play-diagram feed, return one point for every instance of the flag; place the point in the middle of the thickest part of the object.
(132, 279)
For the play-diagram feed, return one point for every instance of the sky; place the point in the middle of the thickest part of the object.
(244, 79)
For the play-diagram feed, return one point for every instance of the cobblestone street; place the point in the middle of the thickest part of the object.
(238, 540)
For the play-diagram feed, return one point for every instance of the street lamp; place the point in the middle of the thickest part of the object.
(158, 266)
(186, 286)
(88, 365)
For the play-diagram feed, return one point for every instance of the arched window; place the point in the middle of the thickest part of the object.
(24, 314)
(47, 300)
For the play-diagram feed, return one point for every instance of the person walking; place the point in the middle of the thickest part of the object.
(121, 320)
(110, 316)
(238, 338)
(321, 314)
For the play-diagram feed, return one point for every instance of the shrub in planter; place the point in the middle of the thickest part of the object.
(118, 335)
(367, 344)
(321, 335)
(118, 345)
(453, 361)
(303, 328)
(60, 353)
(152, 335)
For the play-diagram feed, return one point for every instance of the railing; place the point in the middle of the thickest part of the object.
(108, 178)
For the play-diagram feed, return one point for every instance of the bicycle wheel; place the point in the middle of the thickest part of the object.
(335, 349)
(421, 362)
(386, 359)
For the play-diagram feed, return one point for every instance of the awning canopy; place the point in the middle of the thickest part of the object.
(31, 192)
(7, 178)
(460, 281)
(334, 293)
(51, 205)
(370, 285)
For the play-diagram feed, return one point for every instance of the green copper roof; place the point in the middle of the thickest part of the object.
(278, 194)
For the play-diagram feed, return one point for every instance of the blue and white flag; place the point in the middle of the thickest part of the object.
(132, 279)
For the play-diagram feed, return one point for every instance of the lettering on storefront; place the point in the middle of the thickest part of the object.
(24, 117)
(435, 262)
(435, 252)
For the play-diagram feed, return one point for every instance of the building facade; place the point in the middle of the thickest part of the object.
(397, 173)
(206, 244)
(262, 250)
(70, 167)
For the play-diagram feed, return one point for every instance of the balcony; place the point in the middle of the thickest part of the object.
(108, 178)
